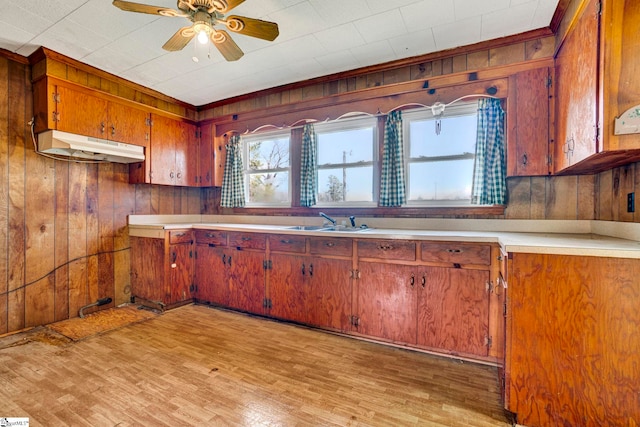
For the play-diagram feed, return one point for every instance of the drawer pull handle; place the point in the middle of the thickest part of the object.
(329, 244)
(286, 241)
(385, 247)
(423, 281)
(454, 251)
(245, 239)
(412, 281)
(180, 234)
(303, 270)
(311, 270)
(210, 235)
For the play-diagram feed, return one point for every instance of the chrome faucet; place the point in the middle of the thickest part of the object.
(328, 218)
(353, 220)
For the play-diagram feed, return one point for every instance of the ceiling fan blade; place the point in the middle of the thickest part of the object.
(128, 6)
(224, 6)
(180, 39)
(225, 44)
(253, 27)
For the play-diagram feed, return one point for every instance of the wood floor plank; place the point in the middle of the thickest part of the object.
(195, 365)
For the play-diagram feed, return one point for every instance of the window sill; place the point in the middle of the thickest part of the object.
(484, 211)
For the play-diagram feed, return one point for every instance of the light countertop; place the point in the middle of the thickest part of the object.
(583, 238)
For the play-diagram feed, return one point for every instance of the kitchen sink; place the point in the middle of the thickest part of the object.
(343, 229)
(306, 227)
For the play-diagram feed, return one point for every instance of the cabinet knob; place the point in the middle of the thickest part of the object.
(113, 130)
(179, 175)
(102, 126)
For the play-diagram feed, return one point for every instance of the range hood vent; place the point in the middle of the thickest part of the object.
(86, 147)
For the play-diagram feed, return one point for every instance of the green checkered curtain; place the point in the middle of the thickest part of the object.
(309, 167)
(233, 179)
(489, 175)
(392, 186)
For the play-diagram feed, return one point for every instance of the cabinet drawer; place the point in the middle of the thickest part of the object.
(212, 237)
(180, 236)
(248, 240)
(331, 246)
(456, 253)
(287, 243)
(387, 249)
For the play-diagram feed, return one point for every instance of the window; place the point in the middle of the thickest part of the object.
(346, 162)
(267, 169)
(439, 166)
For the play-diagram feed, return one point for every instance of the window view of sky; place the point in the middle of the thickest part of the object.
(443, 179)
(354, 181)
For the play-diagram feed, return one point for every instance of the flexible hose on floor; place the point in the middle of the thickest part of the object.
(101, 301)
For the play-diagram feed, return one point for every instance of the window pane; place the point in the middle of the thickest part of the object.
(268, 154)
(345, 146)
(269, 188)
(266, 163)
(457, 136)
(359, 186)
(446, 181)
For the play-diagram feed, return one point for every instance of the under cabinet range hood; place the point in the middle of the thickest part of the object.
(86, 147)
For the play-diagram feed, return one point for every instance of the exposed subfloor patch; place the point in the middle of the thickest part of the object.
(102, 321)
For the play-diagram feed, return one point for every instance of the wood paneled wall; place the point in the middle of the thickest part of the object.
(63, 226)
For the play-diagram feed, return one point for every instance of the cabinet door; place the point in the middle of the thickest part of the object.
(127, 124)
(386, 305)
(205, 156)
(330, 293)
(211, 275)
(181, 272)
(80, 112)
(289, 287)
(577, 90)
(148, 269)
(164, 134)
(528, 121)
(453, 310)
(186, 155)
(246, 280)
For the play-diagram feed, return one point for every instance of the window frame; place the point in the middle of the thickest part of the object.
(462, 109)
(349, 124)
(246, 140)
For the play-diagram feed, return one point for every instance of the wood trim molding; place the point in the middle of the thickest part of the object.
(14, 56)
(47, 54)
(415, 60)
(376, 212)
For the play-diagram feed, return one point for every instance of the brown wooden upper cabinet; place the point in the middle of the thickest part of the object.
(528, 119)
(596, 81)
(172, 154)
(74, 109)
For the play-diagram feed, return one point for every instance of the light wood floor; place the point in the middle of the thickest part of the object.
(201, 366)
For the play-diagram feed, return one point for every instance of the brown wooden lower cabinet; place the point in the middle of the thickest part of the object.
(211, 275)
(573, 340)
(390, 290)
(246, 280)
(438, 308)
(162, 269)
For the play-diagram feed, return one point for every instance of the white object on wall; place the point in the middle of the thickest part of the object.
(628, 122)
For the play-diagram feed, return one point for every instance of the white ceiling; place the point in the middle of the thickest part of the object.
(317, 37)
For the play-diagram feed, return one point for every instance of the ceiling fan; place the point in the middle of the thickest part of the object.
(205, 15)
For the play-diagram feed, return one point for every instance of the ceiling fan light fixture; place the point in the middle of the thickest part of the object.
(203, 37)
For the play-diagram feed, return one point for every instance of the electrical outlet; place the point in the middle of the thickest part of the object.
(631, 202)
